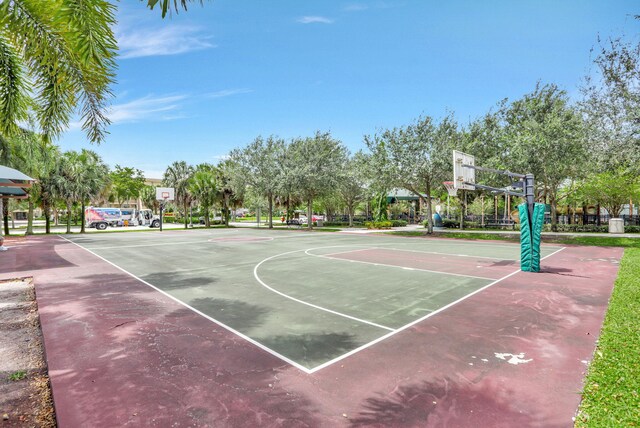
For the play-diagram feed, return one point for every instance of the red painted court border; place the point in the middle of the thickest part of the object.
(112, 367)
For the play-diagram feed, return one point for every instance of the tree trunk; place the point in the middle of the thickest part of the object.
(68, 217)
(350, 215)
(310, 214)
(29, 230)
(270, 195)
(225, 203)
(47, 216)
(5, 215)
(554, 214)
(82, 218)
(207, 222)
(186, 211)
(429, 210)
(288, 208)
(463, 207)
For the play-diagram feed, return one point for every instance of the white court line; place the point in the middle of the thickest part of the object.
(395, 266)
(247, 338)
(365, 346)
(453, 254)
(160, 244)
(257, 277)
(349, 251)
(282, 357)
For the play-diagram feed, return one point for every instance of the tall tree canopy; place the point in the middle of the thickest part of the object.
(316, 163)
(416, 157)
(257, 166)
(546, 138)
(611, 104)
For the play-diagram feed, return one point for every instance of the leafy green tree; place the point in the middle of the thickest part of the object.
(230, 189)
(352, 183)
(611, 105)
(126, 183)
(316, 165)
(416, 157)
(148, 196)
(178, 175)
(257, 166)
(611, 189)
(204, 188)
(546, 138)
(55, 55)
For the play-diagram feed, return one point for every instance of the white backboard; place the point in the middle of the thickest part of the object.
(462, 174)
(165, 193)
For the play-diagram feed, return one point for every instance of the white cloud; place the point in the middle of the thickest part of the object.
(166, 40)
(145, 107)
(314, 20)
(356, 7)
(161, 108)
(229, 92)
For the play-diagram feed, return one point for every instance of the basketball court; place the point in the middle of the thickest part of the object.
(249, 327)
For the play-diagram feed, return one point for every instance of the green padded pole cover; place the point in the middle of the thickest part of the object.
(525, 239)
(530, 237)
(536, 236)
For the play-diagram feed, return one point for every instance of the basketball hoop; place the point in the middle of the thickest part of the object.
(451, 191)
(165, 195)
(450, 185)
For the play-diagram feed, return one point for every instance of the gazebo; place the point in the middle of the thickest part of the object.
(12, 185)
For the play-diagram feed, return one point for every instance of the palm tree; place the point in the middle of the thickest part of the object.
(93, 178)
(178, 176)
(204, 188)
(55, 55)
(79, 177)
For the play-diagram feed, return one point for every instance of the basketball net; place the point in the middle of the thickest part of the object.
(452, 191)
(450, 188)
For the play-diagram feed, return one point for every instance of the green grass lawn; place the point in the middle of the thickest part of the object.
(602, 241)
(611, 396)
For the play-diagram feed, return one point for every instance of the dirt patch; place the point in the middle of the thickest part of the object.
(25, 394)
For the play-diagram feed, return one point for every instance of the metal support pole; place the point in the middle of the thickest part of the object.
(161, 209)
(529, 193)
(2, 247)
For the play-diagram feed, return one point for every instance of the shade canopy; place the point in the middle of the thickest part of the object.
(13, 183)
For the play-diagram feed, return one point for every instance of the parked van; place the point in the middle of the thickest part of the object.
(100, 218)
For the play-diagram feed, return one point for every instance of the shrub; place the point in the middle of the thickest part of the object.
(578, 228)
(632, 229)
(398, 223)
(384, 224)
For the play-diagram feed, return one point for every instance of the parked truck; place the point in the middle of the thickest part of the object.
(100, 218)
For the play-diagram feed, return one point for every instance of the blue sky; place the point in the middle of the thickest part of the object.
(196, 85)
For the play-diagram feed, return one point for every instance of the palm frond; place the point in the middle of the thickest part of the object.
(69, 49)
(13, 102)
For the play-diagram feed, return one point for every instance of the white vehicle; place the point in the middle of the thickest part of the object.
(100, 218)
(145, 218)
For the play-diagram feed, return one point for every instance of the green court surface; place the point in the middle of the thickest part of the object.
(309, 298)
